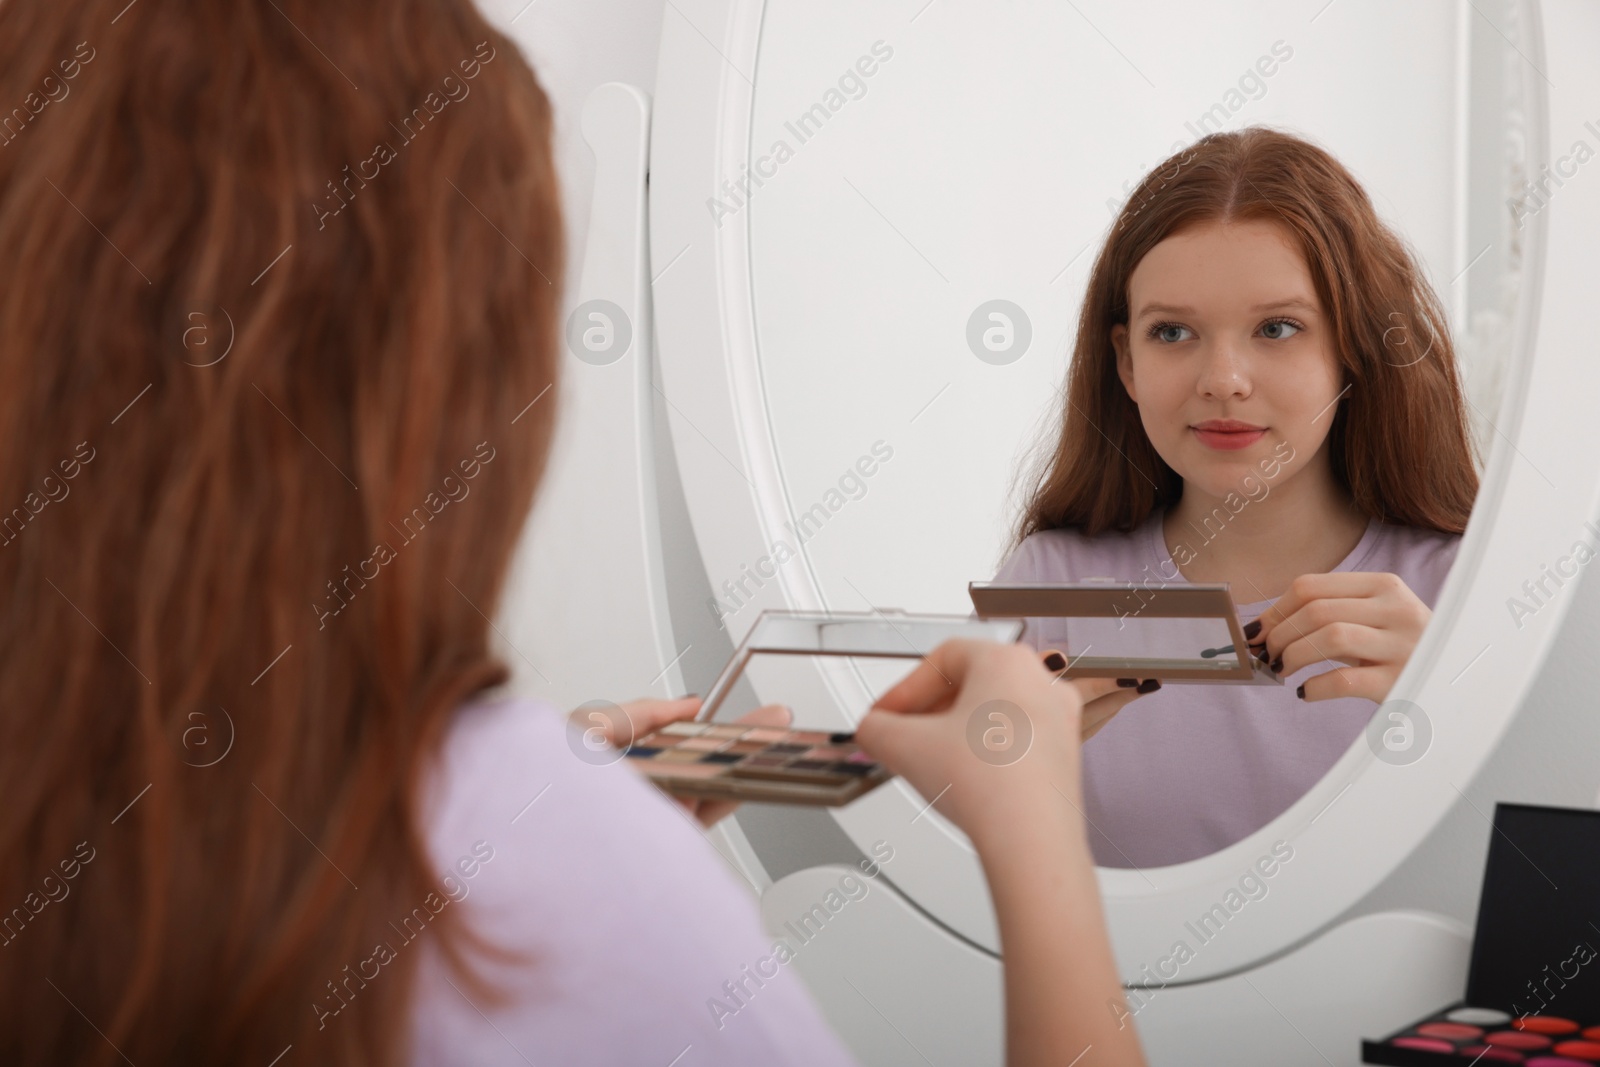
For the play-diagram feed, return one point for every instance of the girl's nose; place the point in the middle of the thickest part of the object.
(1223, 372)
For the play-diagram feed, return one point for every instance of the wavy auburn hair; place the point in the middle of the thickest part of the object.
(1398, 443)
(241, 348)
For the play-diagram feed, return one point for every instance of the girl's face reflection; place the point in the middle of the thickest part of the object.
(1224, 324)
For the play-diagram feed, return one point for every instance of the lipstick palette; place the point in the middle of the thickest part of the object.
(1533, 985)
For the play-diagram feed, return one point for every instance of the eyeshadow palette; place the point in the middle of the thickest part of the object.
(727, 761)
(1462, 1034)
(1533, 985)
(1185, 632)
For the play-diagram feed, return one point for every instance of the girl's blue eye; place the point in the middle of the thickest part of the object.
(1280, 324)
(1162, 331)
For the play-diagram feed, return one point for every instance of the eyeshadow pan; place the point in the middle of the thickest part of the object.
(746, 747)
(681, 770)
(861, 757)
(1479, 1016)
(640, 751)
(721, 757)
(677, 755)
(1556, 1061)
(765, 733)
(1546, 1024)
(790, 748)
(766, 761)
(703, 744)
(1517, 1039)
(1489, 1052)
(1450, 1031)
(1581, 1050)
(1425, 1044)
(726, 730)
(831, 752)
(808, 737)
(683, 729)
(1593, 1033)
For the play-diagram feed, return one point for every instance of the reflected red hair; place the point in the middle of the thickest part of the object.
(1398, 443)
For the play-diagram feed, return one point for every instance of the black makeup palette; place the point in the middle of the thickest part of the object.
(727, 761)
(1533, 986)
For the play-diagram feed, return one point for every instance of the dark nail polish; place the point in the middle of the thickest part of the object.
(1262, 654)
(1277, 665)
(1149, 685)
(1300, 690)
(1252, 628)
(841, 738)
(1127, 683)
(1055, 661)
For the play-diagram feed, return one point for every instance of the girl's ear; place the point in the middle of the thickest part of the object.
(1119, 342)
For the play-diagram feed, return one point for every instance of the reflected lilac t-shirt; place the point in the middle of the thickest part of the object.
(633, 921)
(1190, 769)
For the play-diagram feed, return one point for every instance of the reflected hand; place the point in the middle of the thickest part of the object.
(1099, 710)
(1370, 621)
(648, 715)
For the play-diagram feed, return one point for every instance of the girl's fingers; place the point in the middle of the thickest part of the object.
(1377, 612)
(1372, 682)
(1093, 689)
(1336, 585)
(934, 682)
(1347, 642)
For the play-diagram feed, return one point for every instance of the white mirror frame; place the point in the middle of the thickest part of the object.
(1472, 667)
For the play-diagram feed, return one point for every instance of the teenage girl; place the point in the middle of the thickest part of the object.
(1263, 392)
(264, 802)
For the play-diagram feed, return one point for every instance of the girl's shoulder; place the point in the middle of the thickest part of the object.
(1068, 555)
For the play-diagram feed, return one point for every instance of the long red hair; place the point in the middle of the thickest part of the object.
(243, 350)
(1398, 442)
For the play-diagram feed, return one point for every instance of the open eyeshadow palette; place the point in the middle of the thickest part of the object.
(1186, 632)
(732, 762)
(1533, 985)
(854, 655)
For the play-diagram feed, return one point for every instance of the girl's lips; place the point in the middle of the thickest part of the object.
(1228, 441)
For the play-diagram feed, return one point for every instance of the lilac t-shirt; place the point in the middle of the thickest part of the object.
(633, 921)
(1190, 769)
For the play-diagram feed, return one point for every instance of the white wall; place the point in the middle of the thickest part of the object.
(575, 45)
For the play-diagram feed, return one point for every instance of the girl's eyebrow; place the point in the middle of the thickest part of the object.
(1174, 309)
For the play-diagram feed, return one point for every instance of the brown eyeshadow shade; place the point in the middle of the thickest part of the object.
(809, 737)
(703, 744)
(746, 747)
(765, 733)
(654, 769)
(678, 755)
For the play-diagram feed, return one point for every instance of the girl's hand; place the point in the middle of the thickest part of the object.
(1098, 711)
(1370, 621)
(985, 733)
(648, 715)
